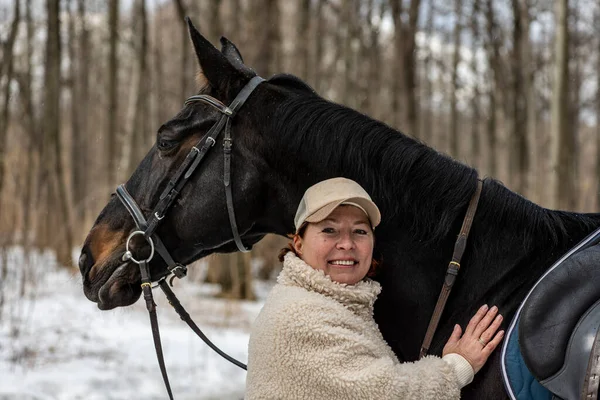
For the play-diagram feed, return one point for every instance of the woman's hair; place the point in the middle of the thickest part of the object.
(290, 247)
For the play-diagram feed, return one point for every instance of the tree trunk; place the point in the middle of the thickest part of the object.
(63, 244)
(372, 53)
(6, 72)
(264, 27)
(33, 139)
(215, 27)
(427, 133)
(454, 114)
(133, 141)
(493, 54)
(563, 146)
(113, 83)
(518, 149)
(302, 44)
(318, 43)
(474, 150)
(404, 101)
(185, 50)
(241, 282)
(529, 71)
(79, 55)
(411, 100)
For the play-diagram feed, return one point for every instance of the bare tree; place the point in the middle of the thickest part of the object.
(134, 145)
(474, 150)
(426, 129)
(405, 108)
(563, 143)
(185, 50)
(518, 149)
(318, 45)
(33, 138)
(79, 59)
(264, 27)
(302, 45)
(52, 139)
(454, 114)
(112, 88)
(6, 72)
(493, 55)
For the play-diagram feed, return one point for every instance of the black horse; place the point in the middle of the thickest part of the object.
(287, 138)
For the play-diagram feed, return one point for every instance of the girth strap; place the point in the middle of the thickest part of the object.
(452, 271)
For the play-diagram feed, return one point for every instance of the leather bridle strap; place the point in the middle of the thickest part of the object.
(452, 271)
(175, 268)
(151, 307)
(170, 193)
(197, 154)
(183, 314)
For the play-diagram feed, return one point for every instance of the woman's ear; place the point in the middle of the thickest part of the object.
(297, 243)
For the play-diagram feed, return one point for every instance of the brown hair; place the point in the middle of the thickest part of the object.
(290, 247)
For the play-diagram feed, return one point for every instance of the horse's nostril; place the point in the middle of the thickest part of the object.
(85, 262)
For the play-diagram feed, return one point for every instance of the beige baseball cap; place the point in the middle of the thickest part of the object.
(322, 198)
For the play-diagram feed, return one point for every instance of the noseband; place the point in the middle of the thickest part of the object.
(147, 228)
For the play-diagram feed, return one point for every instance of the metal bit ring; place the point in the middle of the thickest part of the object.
(128, 253)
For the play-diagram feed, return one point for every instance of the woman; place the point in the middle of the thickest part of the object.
(316, 338)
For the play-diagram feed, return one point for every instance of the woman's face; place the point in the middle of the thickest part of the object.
(341, 245)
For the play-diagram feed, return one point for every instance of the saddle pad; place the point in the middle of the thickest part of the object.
(518, 380)
(511, 358)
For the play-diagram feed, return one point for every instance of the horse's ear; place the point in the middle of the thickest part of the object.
(215, 66)
(234, 56)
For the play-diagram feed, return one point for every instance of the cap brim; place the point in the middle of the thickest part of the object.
(371, 209)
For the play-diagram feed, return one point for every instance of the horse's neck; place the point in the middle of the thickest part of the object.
(410, 182)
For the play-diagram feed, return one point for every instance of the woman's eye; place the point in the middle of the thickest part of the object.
(164, 145)
(328, 230)
(360, 232)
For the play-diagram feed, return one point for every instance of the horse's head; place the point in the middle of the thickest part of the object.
(197, 223)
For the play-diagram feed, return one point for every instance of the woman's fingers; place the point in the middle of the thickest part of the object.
(476, 319)
(456, 334)
(485, 322)
(487, 335)
(491, 346)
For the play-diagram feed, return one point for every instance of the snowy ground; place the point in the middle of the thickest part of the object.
(56, 344)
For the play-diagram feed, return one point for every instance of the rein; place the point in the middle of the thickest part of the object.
(147, 228)
(452, 271)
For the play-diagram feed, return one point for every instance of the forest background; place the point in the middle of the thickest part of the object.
(510, 87)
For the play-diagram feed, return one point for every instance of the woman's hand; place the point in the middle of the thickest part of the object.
(480, 338)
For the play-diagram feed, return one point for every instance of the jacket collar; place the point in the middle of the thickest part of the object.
(359, 297)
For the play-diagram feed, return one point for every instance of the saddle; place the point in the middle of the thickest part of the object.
(558, 328)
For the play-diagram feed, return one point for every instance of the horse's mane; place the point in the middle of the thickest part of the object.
(398, 170)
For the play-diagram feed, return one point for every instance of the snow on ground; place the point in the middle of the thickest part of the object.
(58, 345)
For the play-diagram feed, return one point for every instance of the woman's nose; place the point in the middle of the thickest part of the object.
(345, 241)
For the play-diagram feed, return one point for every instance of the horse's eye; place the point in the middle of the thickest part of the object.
(165, 145)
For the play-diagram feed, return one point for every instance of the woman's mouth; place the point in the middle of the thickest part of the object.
(343, 263)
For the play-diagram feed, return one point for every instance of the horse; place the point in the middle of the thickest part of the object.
(286, 138)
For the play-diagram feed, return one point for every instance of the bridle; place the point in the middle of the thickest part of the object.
(147, 228)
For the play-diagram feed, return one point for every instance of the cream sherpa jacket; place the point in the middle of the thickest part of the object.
(317, 339)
